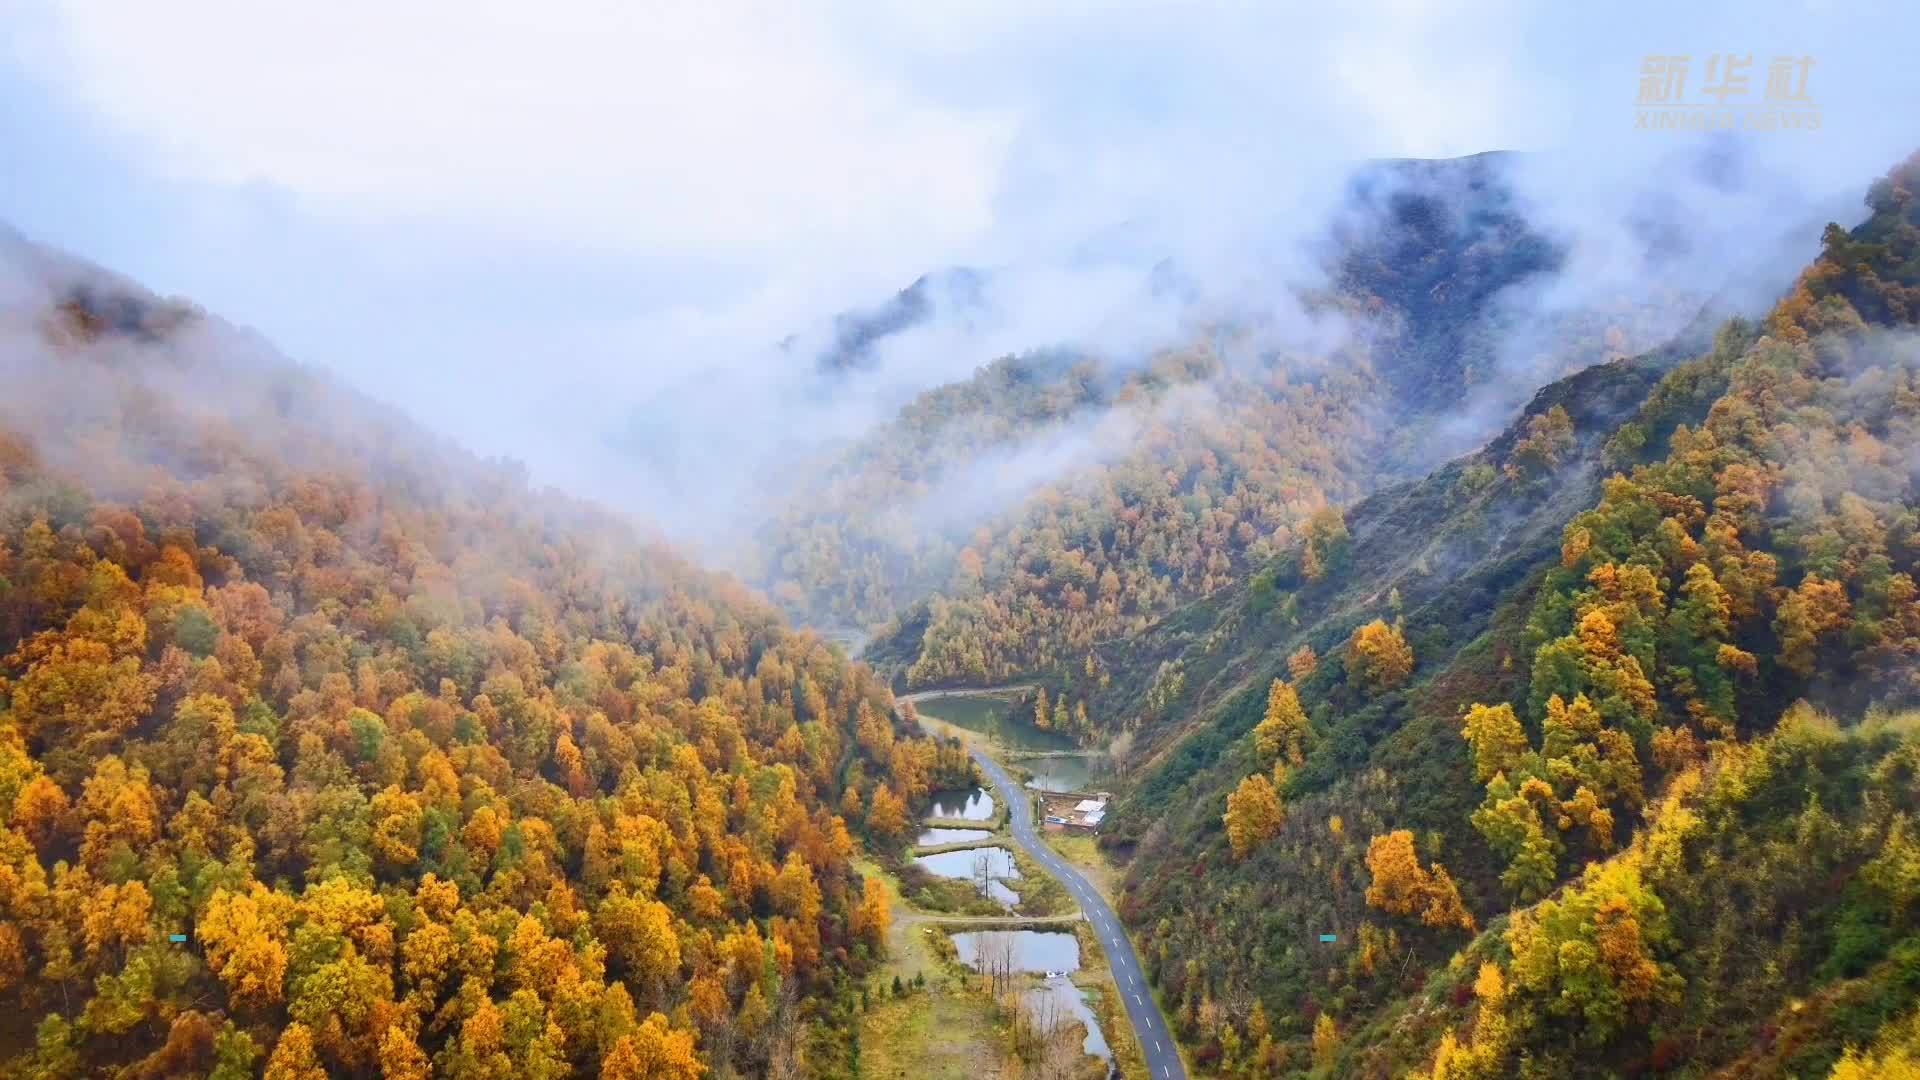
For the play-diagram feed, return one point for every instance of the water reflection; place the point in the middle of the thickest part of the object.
(936, 837)
(1061, 772)
(1059, 1000)
(994, 864)
(993, 717)
(1036, 951)
(972, 805)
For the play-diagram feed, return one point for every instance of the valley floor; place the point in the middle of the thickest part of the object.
(945, 1030)
(1131, 1019)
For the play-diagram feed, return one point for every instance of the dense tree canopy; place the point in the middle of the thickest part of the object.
(328, 751)
(1667, 764)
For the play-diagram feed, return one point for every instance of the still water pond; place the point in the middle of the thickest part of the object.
(1062, 773)
(936, 837)
(1059, 1000)
(962, 864)
(1036, 951)
(993, 717)
(969, 805)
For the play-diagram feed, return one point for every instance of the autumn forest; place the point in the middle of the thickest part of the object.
(363, 758)
(1462, 686)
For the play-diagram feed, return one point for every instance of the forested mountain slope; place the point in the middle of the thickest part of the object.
(1057, 501)
(1590, 747)
(329, 749)
(1170, 479)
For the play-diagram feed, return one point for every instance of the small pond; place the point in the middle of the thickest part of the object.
(936, 837)
(1035, 951)
(962, 865)
(993, 717)
(1060, 773)
(969, 805)
(1059, 999)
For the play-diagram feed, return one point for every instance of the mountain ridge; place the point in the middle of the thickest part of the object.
(1648, 466)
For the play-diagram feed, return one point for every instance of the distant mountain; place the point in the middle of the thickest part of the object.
(1180, 474)
(954, 294)
(1432, 243)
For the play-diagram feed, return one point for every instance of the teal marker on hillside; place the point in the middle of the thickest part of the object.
(1328, 938)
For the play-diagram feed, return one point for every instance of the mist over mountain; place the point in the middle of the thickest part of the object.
(1424, 307)
(1504, 574)
(948, 294)
(294, 694)
(699, 542)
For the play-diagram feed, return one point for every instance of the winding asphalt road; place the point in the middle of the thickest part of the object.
(1163, 1058)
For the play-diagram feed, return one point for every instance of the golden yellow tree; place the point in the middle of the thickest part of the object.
(1497, 739)
(1281, 735)
(401, 1057)
(1326, 1041)
(639, 936)
(294, 1057)
(1401, 887)
(1253, 814)
(1378, 657)
(40, 810)
(1484, 1056)
(654, 1051)
(244, 936)
(1895, 1054)
(886, 813)
(871, 918)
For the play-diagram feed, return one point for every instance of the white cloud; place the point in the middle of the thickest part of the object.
(711, 128)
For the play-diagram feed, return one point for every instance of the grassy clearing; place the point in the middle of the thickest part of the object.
(939, 1031)
(907, 952)
(1040, 892)
(1086, 857)
(934, 1034)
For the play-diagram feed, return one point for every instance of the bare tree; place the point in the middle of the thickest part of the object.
(1048, 1036)
(1061, 1052)
(783, 1050)
(1119, 750)
(994, 955)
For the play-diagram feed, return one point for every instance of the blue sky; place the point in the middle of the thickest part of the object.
(517, 220)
